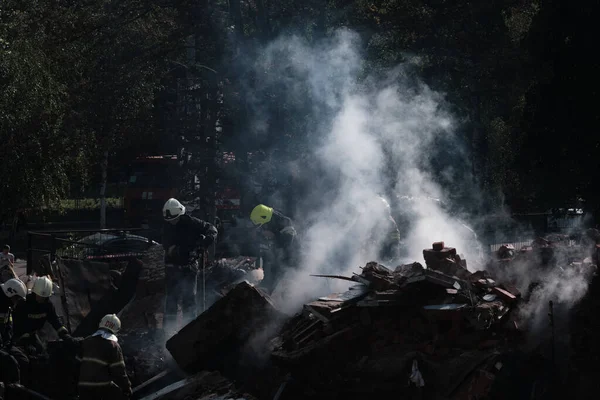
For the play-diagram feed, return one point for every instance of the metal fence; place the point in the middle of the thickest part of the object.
(516, 244)
(97, 244)
(519, 244)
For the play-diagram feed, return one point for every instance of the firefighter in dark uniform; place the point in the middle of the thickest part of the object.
(184, 240)
(29, 318)
(13, 291)
(31, 315)
(279, 230)
(102, 374)
(389, 249)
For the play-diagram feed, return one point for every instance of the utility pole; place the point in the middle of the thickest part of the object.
(203, 105)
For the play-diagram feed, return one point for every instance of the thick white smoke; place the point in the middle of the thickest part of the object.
(371, 136)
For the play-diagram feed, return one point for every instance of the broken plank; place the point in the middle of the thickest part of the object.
(168, 389)
(287, 378)
(378, 303)
(305, 330)
(306, 338)
(505, 295)
(345, 278)
(445, 307)
(347, 296)
(361, 279)
(151, 380)
(317, 314)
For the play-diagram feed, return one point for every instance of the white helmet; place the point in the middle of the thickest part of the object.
(172, 210)
(43, 286)
(14, 287)
(111, 323)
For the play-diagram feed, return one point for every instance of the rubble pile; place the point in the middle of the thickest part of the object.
(440, 330)
(144, 354)
(432, 331)
(437, 331)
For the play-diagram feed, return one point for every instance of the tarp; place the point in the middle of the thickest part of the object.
(114, 300)
(83, 284)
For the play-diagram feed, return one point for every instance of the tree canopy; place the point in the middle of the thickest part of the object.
(81, 80)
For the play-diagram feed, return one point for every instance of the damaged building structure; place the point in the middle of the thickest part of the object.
(432, 331)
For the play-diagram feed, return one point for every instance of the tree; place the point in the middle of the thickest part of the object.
(32, 111)
(80, 84)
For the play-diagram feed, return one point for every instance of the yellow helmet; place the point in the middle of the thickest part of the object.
(261, 214)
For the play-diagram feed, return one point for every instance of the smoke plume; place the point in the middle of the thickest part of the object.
(365, 136)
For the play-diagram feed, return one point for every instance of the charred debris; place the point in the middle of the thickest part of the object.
(437, 331)
(433, 331)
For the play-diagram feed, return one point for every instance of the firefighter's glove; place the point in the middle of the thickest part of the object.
(289, 230)
(71, 343)
(204, 241)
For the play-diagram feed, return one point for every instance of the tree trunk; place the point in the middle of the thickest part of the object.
(104, 166)
(236, 16)
(262, 20)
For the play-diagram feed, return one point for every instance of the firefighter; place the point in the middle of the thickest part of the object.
(13, 291)
(7, 264)
(184, 240)
(278, 229)
(389, 249)
(102, 374)
(31, 315)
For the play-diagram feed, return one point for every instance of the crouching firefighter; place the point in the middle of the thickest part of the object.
(13, 291)
(279, 229)
(102, 374)
(184, 241)
(31, 315)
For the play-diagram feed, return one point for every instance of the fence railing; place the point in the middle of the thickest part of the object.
(69, 243)
(519, 244)
(516, 244)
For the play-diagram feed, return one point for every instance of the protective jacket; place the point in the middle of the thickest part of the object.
(102, 364)
(283, 229)
(30, 316)
(189, 236)
(279, 253)
(390, 246)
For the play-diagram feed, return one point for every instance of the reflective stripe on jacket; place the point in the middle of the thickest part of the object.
(102, 364)
(30, 316)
